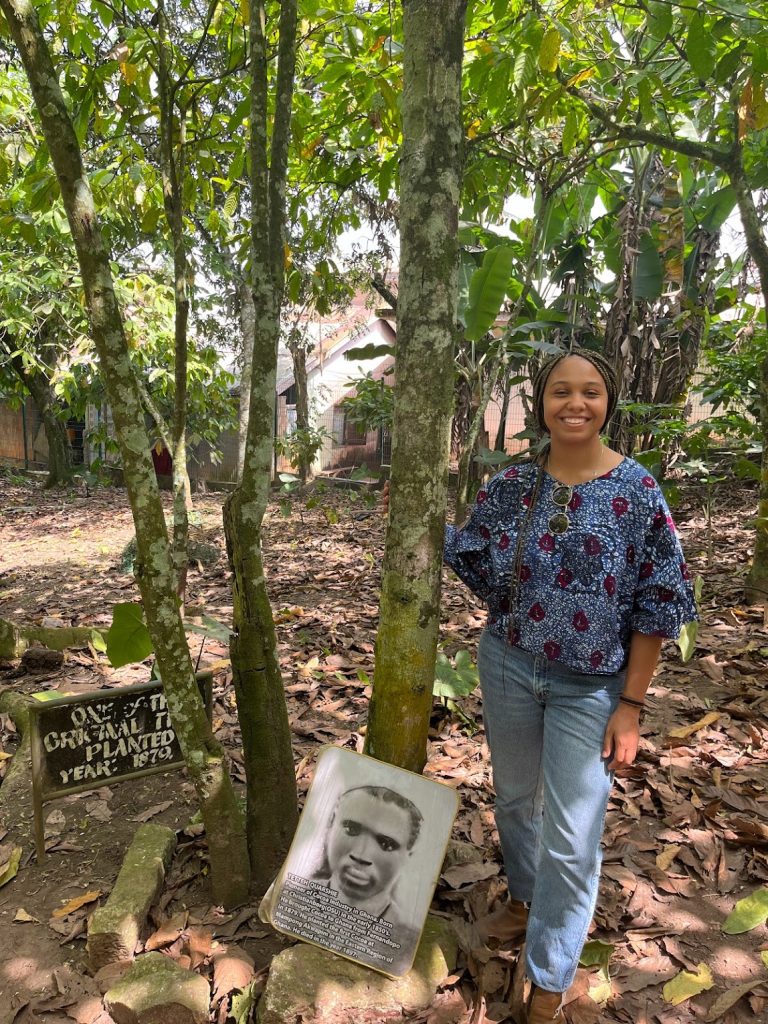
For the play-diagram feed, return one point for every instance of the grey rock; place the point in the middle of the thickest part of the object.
(115, 929)
(157, 991)
(307, 984)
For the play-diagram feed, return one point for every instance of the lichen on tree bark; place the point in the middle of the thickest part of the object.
(430, 186)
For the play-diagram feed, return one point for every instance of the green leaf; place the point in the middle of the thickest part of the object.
(570, 129)
(687, 640)
(98, 642)
(602, 991)
(748, 913)
(486, 457)
(370, 351)
(243, 1002)
(549, 51)
(659, 20)
(497, 89)
(128, 638)
(746, 469)
(649, 270)
(231, 202)
(728, 64)
(454, 681)
(209, 626)
(467, 267)
(596, 952)
(524, 69)
(687, 984)
(701, 48)
(716, 209)
(487, 290)
(10, 869)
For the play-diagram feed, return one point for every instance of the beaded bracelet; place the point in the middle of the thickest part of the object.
(640, 704)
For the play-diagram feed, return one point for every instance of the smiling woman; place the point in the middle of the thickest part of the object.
(577, 558)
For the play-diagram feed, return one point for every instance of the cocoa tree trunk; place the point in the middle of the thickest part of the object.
(204, 756)
(430, 188)
(247, 330)
(172, 164)
(757, 579)
(271, 785)
(59, 451)
(299, 357)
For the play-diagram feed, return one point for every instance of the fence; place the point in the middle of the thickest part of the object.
(22, 437)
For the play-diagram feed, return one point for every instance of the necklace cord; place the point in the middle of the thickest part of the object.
(522, 536)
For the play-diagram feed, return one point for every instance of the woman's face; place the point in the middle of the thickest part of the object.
(575, 401)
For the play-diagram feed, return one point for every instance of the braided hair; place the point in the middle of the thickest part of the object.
(600, 363)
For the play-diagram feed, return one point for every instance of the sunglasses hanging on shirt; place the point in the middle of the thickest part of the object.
(559, 522)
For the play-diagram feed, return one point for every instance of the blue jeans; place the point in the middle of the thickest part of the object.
(545, 726)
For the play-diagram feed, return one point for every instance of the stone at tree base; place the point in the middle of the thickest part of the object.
(307, 984)
(157, 991)
(115, 928)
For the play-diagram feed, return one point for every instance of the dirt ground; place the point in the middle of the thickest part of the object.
(687, 828)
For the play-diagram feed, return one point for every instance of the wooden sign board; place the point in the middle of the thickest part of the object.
(94, 739)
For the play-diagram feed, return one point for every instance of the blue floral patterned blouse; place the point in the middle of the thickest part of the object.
(617, 569)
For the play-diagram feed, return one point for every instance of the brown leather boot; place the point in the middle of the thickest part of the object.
(545, 1007)
(507, 924)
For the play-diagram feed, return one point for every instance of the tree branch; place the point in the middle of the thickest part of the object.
(688, 147)
(386, 294)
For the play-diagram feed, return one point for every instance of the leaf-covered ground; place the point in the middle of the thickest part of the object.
(687, 828)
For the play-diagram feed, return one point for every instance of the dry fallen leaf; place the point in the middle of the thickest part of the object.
(200, 944)
(76, 903)
(152, 811)
(232, 969)
(729, 998)
(55, 822)
(684, 731)
(463, 874)
(644, 972)
(69, 927)
(99, 810)
(667, 855)
(24, 918)
(168, 932)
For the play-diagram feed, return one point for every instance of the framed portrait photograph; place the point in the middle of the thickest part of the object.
(364, 862)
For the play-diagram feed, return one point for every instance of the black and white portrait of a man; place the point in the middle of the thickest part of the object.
(370, 841)
(360, 874)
